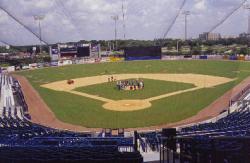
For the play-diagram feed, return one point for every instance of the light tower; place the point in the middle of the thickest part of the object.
(247, 7)
(115, 18)
(123, 19)
(39, 18)
(186, 14)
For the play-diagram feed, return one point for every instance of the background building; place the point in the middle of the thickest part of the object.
(244, 35)
(210, 36)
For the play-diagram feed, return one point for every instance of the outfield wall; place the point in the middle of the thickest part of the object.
(142, 53)
(91, 60)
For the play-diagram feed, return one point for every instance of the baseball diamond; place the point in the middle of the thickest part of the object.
(91, 102)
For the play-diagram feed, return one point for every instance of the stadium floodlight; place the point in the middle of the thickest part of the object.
(39, 18)
(123, 19)
(247, 7)
(186, 13)
(115, 18)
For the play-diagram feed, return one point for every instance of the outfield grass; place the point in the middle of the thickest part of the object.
(89, 113)
(152, 88)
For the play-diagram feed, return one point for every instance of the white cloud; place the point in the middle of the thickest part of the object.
(3, 17)
(200, 5)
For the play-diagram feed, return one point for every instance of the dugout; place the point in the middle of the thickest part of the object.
(142, 53)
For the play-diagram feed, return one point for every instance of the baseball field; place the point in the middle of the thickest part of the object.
(174, 91)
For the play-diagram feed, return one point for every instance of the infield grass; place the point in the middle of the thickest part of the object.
(152, 88)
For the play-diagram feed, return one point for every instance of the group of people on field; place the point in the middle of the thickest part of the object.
(130, 84)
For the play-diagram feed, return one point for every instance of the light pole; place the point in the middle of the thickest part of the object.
(115, 18)
(123, 19)
(186, 13)
(247, 7)
(177, 46)
(39, 18)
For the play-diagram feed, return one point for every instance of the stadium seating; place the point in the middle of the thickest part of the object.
(23, 141)
(149, 141)
(226, 140)
(235, 124)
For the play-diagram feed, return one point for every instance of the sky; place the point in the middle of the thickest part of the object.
(74, 20)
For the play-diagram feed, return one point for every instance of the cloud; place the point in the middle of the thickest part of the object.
(74, 20)
(200, 5)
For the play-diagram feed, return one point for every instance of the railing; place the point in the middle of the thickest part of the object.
(240, 95)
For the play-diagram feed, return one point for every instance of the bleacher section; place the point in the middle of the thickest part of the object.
(235, 124)
(23, 141)
(224, 140)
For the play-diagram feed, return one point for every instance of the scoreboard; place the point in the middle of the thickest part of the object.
(83, 51)
(137, 53)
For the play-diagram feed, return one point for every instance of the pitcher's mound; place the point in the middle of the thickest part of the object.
(127, 105)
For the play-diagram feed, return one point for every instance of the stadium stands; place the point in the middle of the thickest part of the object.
(235, 124)
(23, 141)
(226, 140)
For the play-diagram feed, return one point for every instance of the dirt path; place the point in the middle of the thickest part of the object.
(41, 113)
(90, 96)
